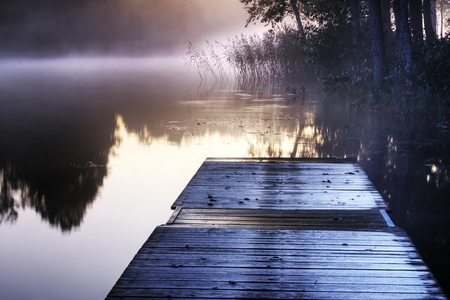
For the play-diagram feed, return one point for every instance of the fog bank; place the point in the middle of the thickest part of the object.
(115, 27)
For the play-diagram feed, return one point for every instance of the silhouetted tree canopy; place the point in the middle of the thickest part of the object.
(362, 48)
(273, 11)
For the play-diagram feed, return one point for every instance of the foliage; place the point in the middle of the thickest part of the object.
(432, 77)
(423, 90)
(268, 11)
(328, 13)
(327, 52)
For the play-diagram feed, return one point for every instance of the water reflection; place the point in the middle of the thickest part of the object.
(47, 123)
(410, 167)
(272, 123)
(36, 154)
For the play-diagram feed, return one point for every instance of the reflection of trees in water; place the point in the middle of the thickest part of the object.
(411, 169)
(8, 205)
(35, 170)
(61, 200)
(410, 166)
(279, 121)
(319, 130)
(158, 118)
(264, 87)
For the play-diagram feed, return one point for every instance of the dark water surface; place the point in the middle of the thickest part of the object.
(94, 151)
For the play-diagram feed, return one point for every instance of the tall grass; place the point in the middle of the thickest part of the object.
(276, 55)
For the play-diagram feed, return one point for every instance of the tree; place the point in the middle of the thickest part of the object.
(443, 4)
(377, 41)
(273, 11)
(404, 43)
(296, 12)
(415, 14)
(355, 24)
(429, 17)
(386, 17)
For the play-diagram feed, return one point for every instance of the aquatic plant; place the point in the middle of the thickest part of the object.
(199, 60)
(276, 55)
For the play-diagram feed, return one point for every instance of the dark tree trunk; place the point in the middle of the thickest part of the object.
(386, 17)
(377, 41)
(403, 33)
(356, 27)
(415, 14)
(442, 13)
(430, 30)
(297, 17)
(433, 14)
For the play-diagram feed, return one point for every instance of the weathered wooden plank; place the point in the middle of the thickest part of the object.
(271, 192)
(273, 178)
(140, 273)
(286, 200)
(338, 177)
(275, 249)
(295, 242)
(266, 294)
(316, 255)
(231, 264)
(312, 286)
(206, 259)
(280, 234)
(287, 213)
(303, 244)
(291, 164)
(308, 249)
(387, 278)
(300, 243)
(282, 160)
(174, 215)
(364, 227)
(274, 222)
(336, 220)
(387, 218)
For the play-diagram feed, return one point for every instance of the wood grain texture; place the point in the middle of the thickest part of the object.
(278, 229)
(280, 184)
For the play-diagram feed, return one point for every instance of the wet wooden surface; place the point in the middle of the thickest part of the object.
(281, 242)
(282, 219)
(280, 184)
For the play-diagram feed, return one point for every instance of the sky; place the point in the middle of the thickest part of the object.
(124, 27)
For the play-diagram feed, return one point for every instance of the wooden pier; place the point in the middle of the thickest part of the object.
(278, 229)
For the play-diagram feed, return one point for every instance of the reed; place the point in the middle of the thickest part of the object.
(276, 55)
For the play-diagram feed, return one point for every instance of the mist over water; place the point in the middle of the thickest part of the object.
(103, 131)
(115, 27)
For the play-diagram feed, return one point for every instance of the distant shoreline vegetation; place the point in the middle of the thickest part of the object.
(281, 55)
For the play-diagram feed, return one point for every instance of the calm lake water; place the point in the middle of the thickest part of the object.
(93, 152)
